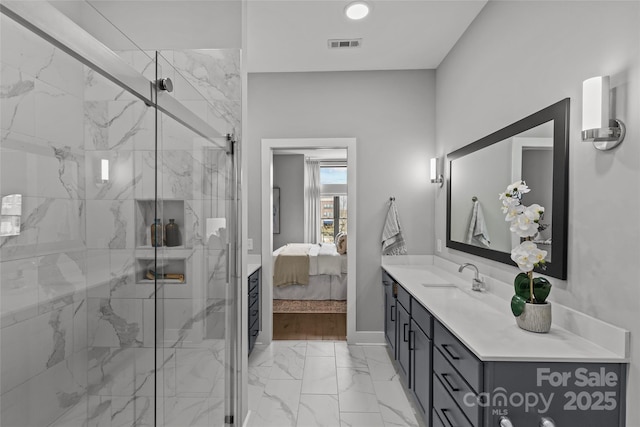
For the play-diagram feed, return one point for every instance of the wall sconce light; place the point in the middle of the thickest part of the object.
(435, 174)
(597, 126)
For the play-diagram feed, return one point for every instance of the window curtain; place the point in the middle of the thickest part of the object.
(312, 201)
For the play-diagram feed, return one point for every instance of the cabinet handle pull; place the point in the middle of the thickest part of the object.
(392, 308)
(412, 340)
(255, 333)
(404, 332)
(446, 417)
(445, 347)
(445, 377)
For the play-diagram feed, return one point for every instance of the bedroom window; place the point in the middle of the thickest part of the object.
(333, 202)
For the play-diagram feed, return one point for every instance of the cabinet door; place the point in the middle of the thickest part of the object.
(404, 323)
(390, 319)
(420, 346)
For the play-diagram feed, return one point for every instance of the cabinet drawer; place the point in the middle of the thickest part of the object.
(254, 279)
(404, 298)
(253, 296)
(422, 317)
(254, 310)
(437, 422)
(445, 408)
(458, 356)
(455, 385)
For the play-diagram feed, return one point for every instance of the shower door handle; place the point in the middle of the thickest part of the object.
(165, 84)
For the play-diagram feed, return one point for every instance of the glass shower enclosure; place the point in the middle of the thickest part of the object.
(118, 282)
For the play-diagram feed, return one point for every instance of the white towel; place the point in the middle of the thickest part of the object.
(392, 240)
(477, 226)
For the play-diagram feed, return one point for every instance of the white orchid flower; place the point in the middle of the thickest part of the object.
(534, 212)
(512, 212)
(517, 189)
(524, 226)
(527, 255)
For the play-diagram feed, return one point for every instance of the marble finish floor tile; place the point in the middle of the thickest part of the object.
(278, 406)
(318, 410)
(395, 408)
(319, 376)
(321, 349)
(350, 356)
(361, 419)
(356, 392)
(311, 383)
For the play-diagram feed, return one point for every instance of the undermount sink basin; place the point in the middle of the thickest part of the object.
(438, 285)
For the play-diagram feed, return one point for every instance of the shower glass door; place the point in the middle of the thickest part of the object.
(117, 304)
(193, 202)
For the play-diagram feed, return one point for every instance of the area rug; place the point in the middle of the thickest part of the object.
(306, 306)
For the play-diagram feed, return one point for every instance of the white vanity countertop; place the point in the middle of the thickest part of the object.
(484, 323)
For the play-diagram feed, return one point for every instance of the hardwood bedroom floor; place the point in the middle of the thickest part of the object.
(310, 326)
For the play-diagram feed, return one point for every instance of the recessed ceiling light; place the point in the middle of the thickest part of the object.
(357, 10)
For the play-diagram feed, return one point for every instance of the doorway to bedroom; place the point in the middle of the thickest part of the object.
(310, 303)
(307, 223)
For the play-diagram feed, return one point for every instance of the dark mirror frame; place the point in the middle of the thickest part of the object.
(559, 113)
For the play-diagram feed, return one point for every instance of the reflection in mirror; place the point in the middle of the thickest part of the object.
(10, 214)
(532, 150)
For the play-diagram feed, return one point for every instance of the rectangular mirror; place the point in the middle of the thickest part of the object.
(535, 150)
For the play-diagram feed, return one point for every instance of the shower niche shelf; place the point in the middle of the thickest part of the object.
(145, 214)
(171, 271)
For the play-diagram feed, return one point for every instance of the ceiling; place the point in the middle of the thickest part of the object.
(292, 35)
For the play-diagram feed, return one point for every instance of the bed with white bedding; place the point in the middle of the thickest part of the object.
(304, 271)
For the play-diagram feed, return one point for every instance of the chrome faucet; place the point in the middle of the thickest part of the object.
(477, 284)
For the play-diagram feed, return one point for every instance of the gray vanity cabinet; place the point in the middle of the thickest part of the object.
(421, 354)
(254, 308)
(390, 313)
(457, 380)
(453, 387)
(404, 354)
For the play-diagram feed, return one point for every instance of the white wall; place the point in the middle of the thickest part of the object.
(518, 57)
(288, 174)
(391, 113)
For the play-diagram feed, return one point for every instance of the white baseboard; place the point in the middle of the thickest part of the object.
(367, 337)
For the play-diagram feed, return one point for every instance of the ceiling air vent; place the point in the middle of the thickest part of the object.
(344, 43)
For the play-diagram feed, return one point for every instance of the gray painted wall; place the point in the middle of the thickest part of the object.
(519, 57)
(392, 114)
(288, 174)
(537, 171)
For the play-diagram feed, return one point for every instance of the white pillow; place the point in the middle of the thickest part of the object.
(341, 243)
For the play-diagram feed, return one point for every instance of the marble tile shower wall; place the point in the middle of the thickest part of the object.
(44, 268)
(78, 324)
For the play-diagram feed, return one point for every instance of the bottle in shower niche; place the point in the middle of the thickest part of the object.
(172, 233)
(157, 233)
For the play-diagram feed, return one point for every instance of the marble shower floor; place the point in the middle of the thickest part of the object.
(323, 383)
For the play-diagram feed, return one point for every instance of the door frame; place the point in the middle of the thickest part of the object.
(268, 146)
